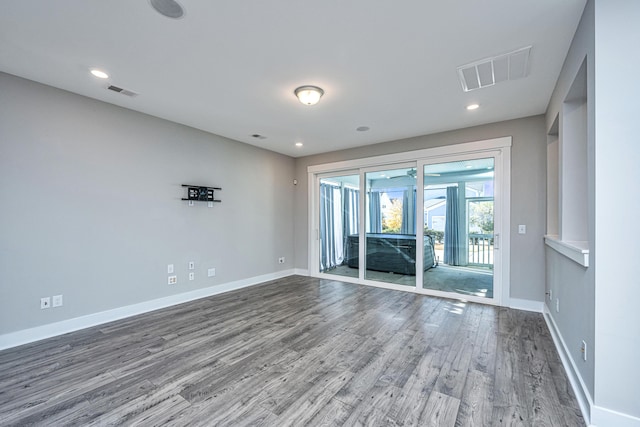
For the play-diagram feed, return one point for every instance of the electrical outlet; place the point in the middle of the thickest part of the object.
(45, 303)
(57, 300)
(583, 350)
(173, 280)
(192, 276)
(522, 229)
(281, 260)
(192, 265)
(169, 268)
(558, 305)
(211, 272)
(210, 204)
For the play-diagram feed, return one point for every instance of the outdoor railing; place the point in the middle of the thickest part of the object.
(481, 249)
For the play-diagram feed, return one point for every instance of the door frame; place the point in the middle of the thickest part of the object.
(499, 148)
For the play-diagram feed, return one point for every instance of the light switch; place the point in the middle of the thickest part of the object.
(522, 229)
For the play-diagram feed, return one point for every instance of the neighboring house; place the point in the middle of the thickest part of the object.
(434, 213)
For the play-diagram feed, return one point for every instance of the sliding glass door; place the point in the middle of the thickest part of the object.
(459, 223)
(391, 226)
(432, 225)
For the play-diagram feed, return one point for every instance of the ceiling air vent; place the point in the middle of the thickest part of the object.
(122, 91)
(489, 71)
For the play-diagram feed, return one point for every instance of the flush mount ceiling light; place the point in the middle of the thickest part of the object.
(309, 95)
(99, 73)
(299, 144)
(473, 107)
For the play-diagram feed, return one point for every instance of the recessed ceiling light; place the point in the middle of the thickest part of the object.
(99, 73)
(258, 136)
(473, 107)
(362, 128)
(298, 144)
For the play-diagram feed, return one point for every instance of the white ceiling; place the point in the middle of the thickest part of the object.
(230, 67)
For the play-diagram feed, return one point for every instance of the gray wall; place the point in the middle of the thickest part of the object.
(572, 284)
(91, 208)
(617, 153)
(601, 302)
(528, 192)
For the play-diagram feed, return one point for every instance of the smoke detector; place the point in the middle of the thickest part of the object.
(489, 71)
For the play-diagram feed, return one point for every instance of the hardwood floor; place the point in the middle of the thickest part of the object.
(296, 351)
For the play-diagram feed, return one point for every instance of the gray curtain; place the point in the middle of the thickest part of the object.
(451, 229)
(328, 255)
(404, 226)
(375, 213)
(408, 225)
(350, 212)
(339, 210)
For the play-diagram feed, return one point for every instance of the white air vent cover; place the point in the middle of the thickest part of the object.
(487, 72)
(122, 91)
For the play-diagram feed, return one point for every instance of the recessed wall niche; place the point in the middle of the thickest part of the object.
(567, 175)
(573, 161)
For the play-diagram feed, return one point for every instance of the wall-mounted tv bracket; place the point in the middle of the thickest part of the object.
(199, 193)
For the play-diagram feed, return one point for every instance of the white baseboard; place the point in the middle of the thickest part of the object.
(594, 415)
(300, 272)
(14, 339)
(526, 305)
(575, 379)
(603, 417)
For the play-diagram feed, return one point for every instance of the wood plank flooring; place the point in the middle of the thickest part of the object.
(293, 352)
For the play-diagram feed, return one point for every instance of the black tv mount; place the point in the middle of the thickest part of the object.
(201, 193)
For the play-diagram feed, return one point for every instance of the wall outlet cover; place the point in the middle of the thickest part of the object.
(211, 272)
(192, 276)
(169, 268)
(57, 300)
(192, 265)
(45, 303)
(172, 280)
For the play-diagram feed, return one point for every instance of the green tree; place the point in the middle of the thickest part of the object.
(436, 235)
(481, 216)
(392, 219)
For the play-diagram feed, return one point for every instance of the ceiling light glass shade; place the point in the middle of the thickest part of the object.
(309, 95)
